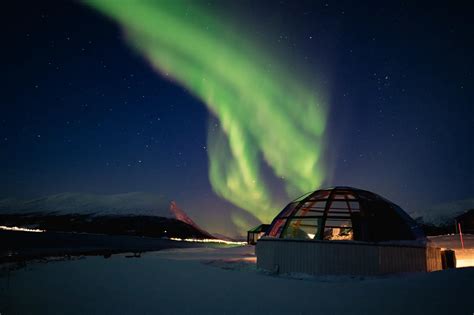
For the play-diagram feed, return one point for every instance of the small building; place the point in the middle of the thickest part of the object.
(257, 232)
(344, 230)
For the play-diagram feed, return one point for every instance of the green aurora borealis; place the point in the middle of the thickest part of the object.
(265, 114)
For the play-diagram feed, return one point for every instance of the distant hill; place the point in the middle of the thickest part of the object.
(134, 213)
(443, 213)
(439, 219)
(134, 203)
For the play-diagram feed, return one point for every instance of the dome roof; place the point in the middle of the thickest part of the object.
(344, 213)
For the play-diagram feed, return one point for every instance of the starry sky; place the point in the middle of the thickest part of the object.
(83, 111)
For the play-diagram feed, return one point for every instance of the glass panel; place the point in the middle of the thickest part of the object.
(276, 229)
(311, 208)
(338, 214)
(322, 194)
(339, 209)
(337, 229)
(320, 205)
(354, 206)
(309, 213)
(333, 234)
(344, 196)
(339, 205)
(302, 229)
(338, 222)
(288, 209)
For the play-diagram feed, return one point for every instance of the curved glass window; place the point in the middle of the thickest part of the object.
(302, 228)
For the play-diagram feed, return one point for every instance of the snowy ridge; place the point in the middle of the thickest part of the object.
(183, 217)
(136, 213)
(443, 213)
(134, 203)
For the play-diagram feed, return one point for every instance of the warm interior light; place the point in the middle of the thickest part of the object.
(464, 258)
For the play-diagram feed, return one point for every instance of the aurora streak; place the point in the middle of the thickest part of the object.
(264, 112)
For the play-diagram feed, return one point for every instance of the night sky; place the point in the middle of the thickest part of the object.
(83, 111)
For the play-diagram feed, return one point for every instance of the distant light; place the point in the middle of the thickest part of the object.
(206, 240)
(20, 229)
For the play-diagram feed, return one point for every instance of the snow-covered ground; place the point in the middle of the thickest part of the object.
(221, 281)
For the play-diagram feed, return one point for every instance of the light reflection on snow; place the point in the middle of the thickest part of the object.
(20, 229)
(252, 259)
(207, 240)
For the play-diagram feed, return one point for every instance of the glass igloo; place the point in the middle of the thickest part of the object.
(344, 213)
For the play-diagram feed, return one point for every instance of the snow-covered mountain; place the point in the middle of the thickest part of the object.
(134, 203)
(135, 213)
(183, 217)
(443, 213)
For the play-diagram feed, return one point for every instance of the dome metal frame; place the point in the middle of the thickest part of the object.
(344, 213)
